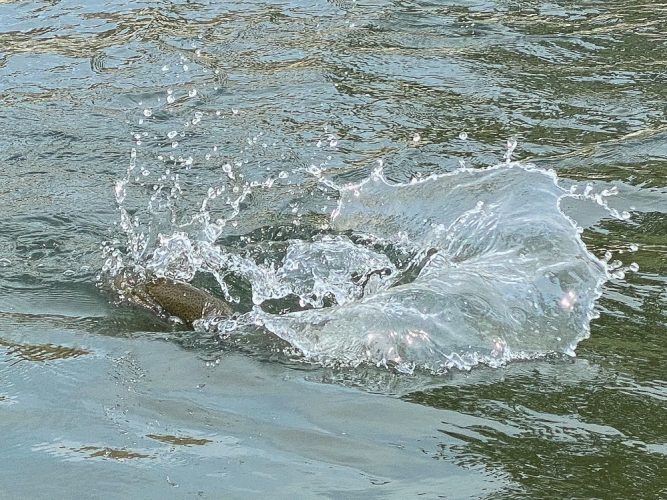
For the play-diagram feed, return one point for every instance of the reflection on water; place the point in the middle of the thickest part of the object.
(40, 352)
(179, 441)
(289, 100)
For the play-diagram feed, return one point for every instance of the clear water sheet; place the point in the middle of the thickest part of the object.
(504, 275)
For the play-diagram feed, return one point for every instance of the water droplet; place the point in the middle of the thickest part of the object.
(170, 99)
(634, 247)
(172, 134)
(615, 264)
(185, 67)
(314, 170)
(416, 138)
(511, 146)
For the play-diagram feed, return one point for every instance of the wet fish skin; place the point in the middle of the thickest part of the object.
(184, 300)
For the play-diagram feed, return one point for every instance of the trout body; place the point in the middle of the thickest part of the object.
(175, 298)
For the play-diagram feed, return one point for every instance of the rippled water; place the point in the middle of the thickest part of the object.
(420, 210)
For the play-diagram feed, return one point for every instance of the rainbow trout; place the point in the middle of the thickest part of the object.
(174, 298)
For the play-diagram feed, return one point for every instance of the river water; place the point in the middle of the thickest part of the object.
(442, 225)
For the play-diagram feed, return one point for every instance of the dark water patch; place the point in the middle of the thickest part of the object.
(545, 430)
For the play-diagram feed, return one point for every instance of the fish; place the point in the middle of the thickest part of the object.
(169, 297)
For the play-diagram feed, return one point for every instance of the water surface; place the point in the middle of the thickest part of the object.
(349, 138)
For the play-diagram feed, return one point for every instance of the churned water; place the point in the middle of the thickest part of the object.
(442, 226)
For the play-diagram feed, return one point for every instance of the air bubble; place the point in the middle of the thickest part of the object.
(192, 93)
(463, 136)
(148, 113)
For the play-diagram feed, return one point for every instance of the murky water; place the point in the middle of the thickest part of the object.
(421, 211)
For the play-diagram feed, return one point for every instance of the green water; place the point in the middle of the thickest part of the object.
(100, 401)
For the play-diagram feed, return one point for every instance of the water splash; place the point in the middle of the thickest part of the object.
(447, 271)
(503, 275)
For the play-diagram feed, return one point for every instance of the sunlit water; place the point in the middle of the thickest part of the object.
(442, 226)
